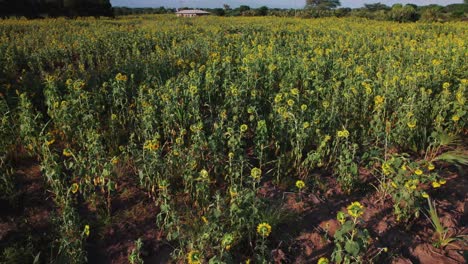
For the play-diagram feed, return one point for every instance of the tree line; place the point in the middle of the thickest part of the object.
(54, 8)
(312, 9)
(329, 8)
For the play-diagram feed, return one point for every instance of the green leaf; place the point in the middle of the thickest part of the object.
(352, 247)
(455, 157)
(336, 256)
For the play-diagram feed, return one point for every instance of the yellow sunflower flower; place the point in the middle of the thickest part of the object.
(323, 260)
(243, 128)
(256, 173)
(75, 187)
(194, 257)
(264, 229)
(67, 153)
(355, 209)
(411, 124)
(86, 230)
(431, 166)
(300, 184)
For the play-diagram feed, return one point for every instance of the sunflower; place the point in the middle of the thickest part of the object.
(151, 145)
(411, 124)
(256, 173)
(67, 153)
(227, 241)
(204, 174)
(194, 257)
(115, 160)
(323, 260)
(343, 133)
(243, 128)
(264, 229)
(121, 77)
(74, 187)
(355, 209)
(86, 230)
(300, 184)
(431, 167)
(386, 168)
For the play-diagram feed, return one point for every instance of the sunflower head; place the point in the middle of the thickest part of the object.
(323, 260)
(300, 184)
(355, 209)
(67, 153)
(194, 257)
(256, 173)
(75, 187)
(86, 230)
(243, 128)
(264, 229)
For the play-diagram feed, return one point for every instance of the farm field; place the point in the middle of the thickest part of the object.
(155, 139)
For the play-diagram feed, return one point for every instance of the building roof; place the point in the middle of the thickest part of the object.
(192, 11)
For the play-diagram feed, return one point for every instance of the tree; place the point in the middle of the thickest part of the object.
(376, 7)
(262, 11)
(34, 8)
(219, 12)
(402, 13)
(322, 4)
(244, 8)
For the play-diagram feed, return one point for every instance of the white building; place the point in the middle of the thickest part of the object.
(191, 13)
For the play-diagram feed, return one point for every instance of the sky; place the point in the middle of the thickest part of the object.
(269, 3)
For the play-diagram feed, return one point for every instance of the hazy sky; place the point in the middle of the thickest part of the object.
(269, 3)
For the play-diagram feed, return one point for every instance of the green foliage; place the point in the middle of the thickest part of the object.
(402, 13)
(135, 255)
(7, 144)
(205, 114)
(34, 9)
(443, 235)
(350, 240)
(322, 4)
(404, 181)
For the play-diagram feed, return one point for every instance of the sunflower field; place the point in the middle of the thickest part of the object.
(238, 139)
